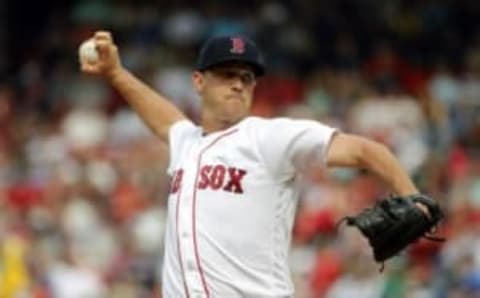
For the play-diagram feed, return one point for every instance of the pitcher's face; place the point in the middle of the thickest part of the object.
(226, 90)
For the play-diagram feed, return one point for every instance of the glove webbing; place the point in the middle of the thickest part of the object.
(427, 236)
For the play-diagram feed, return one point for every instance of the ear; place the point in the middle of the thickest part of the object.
(198, 80)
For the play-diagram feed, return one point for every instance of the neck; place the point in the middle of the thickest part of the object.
(211, 124)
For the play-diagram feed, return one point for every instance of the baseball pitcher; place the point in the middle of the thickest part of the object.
(235, 177)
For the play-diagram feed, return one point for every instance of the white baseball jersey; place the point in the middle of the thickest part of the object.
(232, 203)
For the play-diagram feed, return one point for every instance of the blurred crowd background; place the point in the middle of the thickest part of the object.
(83, 183)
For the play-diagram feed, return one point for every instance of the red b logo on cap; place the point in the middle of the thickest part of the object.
(238, 45)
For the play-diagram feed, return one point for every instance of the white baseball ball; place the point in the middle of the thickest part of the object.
(88, 52)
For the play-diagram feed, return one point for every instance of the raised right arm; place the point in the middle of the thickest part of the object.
(158, 113)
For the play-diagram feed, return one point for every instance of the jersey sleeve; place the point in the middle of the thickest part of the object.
(288, 146)
(178, 135)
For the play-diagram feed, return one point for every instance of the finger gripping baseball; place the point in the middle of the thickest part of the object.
(394, 223)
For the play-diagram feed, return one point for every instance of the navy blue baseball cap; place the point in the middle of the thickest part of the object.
(222, 49)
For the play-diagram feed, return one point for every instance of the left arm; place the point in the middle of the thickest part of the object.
(392, 223)
(346, 150)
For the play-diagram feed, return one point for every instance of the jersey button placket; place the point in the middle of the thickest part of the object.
(186, 241)
(191, 270)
